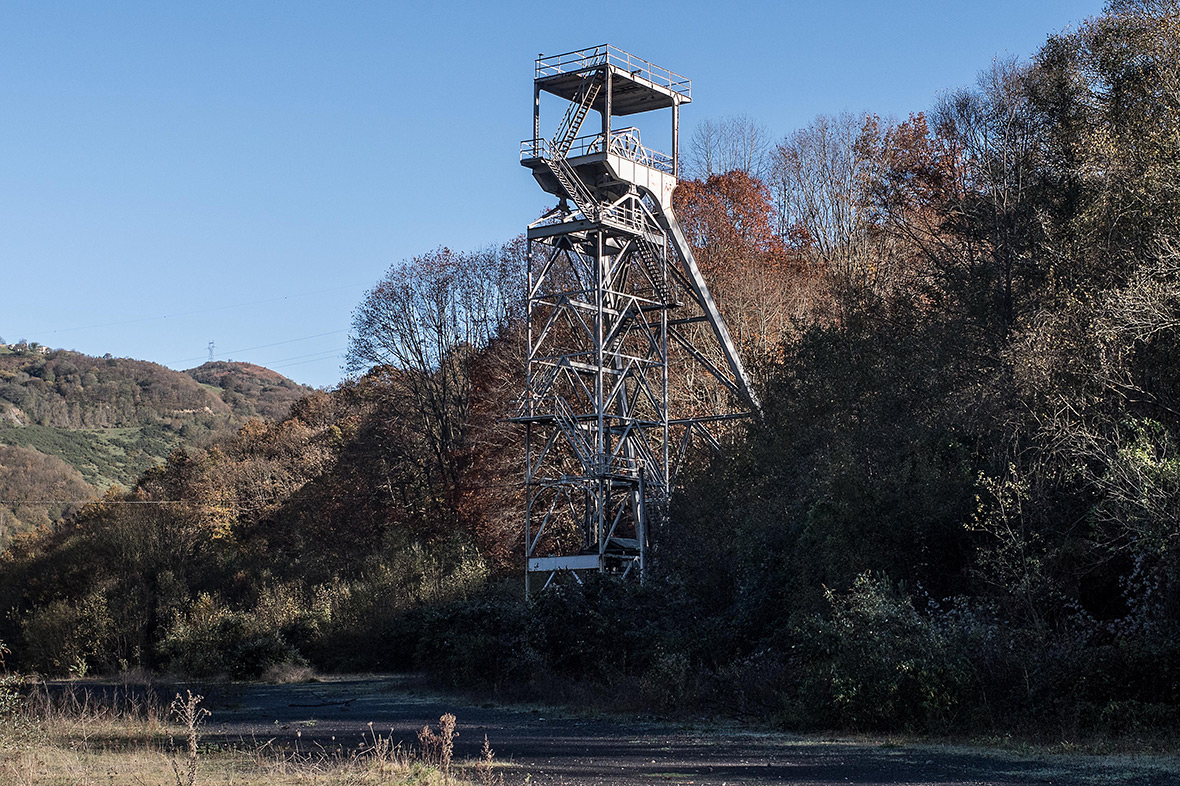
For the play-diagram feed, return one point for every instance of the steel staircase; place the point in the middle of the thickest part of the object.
(573, 185)
(567, 132)
(540, 386)
(576, 113)
(574, 431)
(650, 257)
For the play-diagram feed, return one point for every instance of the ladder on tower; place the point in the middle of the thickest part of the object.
(575, 433)
(573, 185)
(567, 132)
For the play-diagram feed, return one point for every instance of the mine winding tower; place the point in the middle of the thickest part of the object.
(616, 303)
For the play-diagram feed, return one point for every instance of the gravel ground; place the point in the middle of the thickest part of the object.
(547, 746)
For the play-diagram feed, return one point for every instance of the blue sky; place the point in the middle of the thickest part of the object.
(241, 172)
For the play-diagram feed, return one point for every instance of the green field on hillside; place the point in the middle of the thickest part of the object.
(103, 456)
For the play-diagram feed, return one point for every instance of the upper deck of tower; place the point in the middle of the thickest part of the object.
(637, 85)
(604, 164)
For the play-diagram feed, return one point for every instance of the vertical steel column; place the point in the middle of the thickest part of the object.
(530, 405)
(676, 137)
(607, 102)
(536, 116)
(600, 438)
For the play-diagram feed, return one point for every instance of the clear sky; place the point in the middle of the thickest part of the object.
(176, 173)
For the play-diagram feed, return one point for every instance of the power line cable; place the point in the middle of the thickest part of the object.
(196, 311)
(324, 356)
(97, 500)
(353, 497)
(264, 346)
(321, 353)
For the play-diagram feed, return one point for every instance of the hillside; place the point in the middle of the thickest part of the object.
(250, 390)
(105, 421)
(69, 390)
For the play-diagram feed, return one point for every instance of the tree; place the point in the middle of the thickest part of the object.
(1000, 136)
(418, 332)
(758, 284)
(818, 183)
(729, 144)
(823, 176)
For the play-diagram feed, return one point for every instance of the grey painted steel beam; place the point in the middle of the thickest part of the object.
(705, 298)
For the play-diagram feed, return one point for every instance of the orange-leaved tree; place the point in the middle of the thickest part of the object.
(762, 288)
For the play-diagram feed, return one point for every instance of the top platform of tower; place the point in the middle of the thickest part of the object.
(636, 84)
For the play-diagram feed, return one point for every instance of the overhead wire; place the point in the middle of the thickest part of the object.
(327, 355)
(101, 501)
(199, 311)
(263, 346)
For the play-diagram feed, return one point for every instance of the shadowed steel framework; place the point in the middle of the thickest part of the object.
(618, 315)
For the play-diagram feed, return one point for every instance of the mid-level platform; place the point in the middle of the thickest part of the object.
(624, 162)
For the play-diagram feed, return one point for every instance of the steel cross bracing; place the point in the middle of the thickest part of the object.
(619, 315)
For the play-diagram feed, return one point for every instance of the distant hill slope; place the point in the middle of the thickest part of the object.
(37, 489)
(250, 390)
(70, 390)
(82, 423)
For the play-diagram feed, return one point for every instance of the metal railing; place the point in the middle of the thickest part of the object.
(606, 54)
(542, 148)
(624, 142)
(630, 214)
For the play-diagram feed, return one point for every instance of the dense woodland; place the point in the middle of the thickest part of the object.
(959, 511)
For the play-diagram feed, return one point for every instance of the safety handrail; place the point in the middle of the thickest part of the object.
(604, 54)
(624, 142)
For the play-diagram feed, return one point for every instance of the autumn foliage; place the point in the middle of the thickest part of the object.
(763, 287)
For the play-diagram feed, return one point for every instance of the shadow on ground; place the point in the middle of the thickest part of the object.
(551, 747)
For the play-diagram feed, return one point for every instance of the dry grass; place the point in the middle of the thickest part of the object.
(74, 738)
(52, 765)
(288, 673)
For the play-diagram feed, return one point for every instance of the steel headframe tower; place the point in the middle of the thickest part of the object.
(615, 299)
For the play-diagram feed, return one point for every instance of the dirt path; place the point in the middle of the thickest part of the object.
(547, 747)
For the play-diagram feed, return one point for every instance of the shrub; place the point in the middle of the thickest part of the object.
(16, 728)
(877, 663)
(62, 637)
(374, 620)
(485, 641)
(210, 639)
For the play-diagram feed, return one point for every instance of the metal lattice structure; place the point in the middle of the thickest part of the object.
(616, 303)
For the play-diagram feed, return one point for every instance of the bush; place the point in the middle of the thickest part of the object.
(604, 637)
(877, 663)
(483, 642)
(68, 638)
(374, 621)
(211, 640)
(16, 728)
